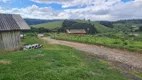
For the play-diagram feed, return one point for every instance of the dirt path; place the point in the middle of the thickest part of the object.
(131, 59)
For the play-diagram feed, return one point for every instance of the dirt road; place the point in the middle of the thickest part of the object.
(131, 59)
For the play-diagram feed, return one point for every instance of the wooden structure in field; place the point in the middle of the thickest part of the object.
(76, 31)
(11, 26)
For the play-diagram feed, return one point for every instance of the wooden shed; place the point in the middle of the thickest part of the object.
(11, 26)
(76, 31)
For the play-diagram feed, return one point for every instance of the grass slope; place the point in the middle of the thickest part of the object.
(100, 28)
(50, 25)
(54, 62)
(58, 24)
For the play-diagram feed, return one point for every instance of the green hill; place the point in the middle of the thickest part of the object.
(100, 28)
(122, 25)
(49, 25)
(125, 26)
(57, 24)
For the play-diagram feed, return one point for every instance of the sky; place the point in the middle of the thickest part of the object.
(110, 10)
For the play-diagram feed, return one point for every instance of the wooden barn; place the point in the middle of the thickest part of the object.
(76, 31)
(11, 26)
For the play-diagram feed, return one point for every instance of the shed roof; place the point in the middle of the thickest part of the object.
(76, 31)
(10, 22)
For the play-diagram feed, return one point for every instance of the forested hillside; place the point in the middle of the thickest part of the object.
(39, 21)
(70, 24)
(98, 26)
(123, 25)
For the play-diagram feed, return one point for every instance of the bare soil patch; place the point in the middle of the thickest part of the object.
(5, 62)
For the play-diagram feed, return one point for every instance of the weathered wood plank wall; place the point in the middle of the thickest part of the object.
(9, 40)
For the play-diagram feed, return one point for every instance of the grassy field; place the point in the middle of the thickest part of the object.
(110, 42)
(54, 62)
(52, 25)
(49, 25)
(125, 26)
(100, 28)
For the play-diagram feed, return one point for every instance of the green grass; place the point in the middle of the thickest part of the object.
(138, 74)
(52, 25)
(49, 25)
(125, 26)
(110, 42)
(55, 62)
(100, 28)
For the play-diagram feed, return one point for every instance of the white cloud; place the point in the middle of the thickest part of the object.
(98, 10)
(71, 3)
(109, 10)
(36, 12)
(66, 3)
(129, 10)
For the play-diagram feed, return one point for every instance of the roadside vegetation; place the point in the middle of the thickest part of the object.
(107, 39)
(54, 62)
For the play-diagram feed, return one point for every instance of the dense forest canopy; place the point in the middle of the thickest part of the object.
(70, 24)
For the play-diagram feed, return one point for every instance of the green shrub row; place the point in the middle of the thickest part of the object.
(105, 41)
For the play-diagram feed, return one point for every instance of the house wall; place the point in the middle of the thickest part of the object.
(76, 34)
(9, 40)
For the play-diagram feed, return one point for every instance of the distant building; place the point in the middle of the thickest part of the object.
(11, 26)
(40, 35)
(76, 31)
(134, 35)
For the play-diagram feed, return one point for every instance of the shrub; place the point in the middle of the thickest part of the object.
(125, 43)
(105, 41)
(116, 42)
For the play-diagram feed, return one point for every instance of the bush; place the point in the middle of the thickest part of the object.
(125, 43)
(110, 42)
(116, 42)
(132, 48)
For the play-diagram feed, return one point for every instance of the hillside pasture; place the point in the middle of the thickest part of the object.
(100, 28)
(58, 24)
(49, 25)
(54, 62)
